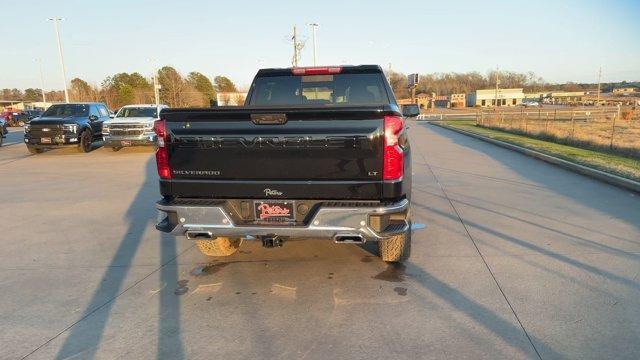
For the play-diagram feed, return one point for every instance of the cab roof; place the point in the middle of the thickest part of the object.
(144, 105)
(344, 69)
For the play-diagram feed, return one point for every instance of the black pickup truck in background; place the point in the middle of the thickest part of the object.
(66, 125)
(315, 153)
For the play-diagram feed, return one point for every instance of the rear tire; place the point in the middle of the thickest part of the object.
(34, 150)
(115, 148)
(222, 246)
(396, 249)
(85, 142)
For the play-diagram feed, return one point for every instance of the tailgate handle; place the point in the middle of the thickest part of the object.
(269, 119)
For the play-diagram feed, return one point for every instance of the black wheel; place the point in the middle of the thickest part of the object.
(85, 142)
(1, 137)
(34, 150)
(115, 148)
(396, 249)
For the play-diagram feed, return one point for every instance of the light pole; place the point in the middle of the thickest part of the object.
(64, 75)
(315, 49)
(156, 86)
(44, 98)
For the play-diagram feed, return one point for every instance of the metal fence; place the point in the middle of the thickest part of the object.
(607, 127)
(448, 116)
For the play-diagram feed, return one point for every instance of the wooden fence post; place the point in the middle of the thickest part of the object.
(546, 122)
(573, 124)
(613, 130)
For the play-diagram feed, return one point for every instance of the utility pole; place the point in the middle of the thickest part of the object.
(599, 79)
(313, 30)
(297, 46)
(294, 62)
(64, 75)
(44, 97)
(497, 85)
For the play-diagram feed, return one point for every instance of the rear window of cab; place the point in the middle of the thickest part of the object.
(334, 89)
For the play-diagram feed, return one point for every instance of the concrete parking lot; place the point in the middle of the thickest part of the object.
(15, 136)
(512, 258)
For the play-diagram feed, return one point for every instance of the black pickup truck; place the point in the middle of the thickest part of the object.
(66, 125)
(315, 153)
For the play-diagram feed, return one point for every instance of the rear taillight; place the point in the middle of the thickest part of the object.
(330, 70)
(392, 157)
(162, 156)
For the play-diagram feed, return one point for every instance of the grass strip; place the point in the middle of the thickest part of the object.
(614, 164)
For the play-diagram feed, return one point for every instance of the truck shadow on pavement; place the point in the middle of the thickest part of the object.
(86, 334)
(509, 332)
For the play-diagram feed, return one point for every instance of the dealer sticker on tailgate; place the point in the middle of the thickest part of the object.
(270, 210)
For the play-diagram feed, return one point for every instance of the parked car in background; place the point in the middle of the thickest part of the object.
(530, 103)
(32, 114)
(132, 126)
(73, 124)
(3, 130)
(14, 117)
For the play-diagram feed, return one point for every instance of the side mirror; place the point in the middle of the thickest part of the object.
(410, 110)
(112, 115)
(93, 118)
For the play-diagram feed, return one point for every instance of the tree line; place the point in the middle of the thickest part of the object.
(193, 90)
(197, 90)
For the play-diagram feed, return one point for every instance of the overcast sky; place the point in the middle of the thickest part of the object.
(558, 40)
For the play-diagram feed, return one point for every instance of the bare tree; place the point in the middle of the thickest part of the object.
(238, 99)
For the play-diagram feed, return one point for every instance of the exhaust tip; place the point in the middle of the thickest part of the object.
(349, 239)
(199, 235)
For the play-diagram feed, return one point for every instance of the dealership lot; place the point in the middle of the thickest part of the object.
(512, 258)
(15, 136)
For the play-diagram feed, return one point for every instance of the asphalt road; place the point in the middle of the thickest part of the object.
(516, 259)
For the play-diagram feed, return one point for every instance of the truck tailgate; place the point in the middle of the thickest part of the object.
(295, 152)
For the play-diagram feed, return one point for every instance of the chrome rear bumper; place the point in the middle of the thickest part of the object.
(326, 223)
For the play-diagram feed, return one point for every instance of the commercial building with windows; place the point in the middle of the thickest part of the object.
(624, 90)
(487, 97)
(458, 100)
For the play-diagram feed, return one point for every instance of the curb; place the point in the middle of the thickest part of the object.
(581, 169)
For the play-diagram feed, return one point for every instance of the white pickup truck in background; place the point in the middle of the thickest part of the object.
(132, 126)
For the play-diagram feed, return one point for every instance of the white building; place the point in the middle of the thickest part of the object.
(487, 97)
(231, 98)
